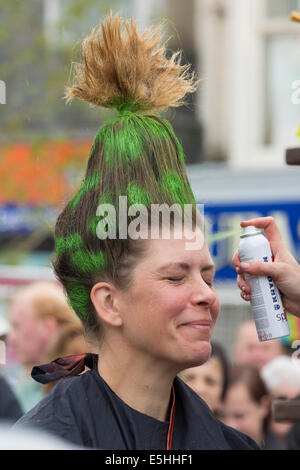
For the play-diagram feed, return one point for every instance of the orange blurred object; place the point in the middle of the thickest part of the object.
(295, 16)
(36, 173)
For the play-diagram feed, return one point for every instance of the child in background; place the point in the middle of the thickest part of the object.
(209, 380)
(247, 406)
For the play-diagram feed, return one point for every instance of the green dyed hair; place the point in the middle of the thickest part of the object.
(135, 154)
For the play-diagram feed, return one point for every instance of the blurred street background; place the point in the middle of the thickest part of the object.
(235, 131)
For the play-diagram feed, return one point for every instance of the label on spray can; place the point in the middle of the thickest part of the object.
(266, 305)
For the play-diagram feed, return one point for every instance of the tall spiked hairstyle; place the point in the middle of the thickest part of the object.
(135, 154)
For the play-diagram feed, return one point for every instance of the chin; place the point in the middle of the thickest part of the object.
(199, 355)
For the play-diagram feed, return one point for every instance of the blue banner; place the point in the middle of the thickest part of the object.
(16, 219)
(227, 217)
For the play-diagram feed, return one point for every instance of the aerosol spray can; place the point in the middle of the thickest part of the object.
(266, 305)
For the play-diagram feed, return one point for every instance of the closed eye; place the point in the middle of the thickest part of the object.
(178, 279)
(175, 279)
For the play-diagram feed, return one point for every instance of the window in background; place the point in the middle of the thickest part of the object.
(282, 68)
(280, 8)
(68, 21)
(262, 63)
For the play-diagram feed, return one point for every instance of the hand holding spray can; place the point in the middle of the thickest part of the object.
(266, 305)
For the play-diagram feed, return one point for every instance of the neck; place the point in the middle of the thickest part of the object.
(43, 359)
(140, 382)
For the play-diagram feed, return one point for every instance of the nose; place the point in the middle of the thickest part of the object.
(203, 293)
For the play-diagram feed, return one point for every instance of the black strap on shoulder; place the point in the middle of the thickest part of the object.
(63, 367)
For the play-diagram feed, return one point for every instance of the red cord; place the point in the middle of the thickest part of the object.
(171, 425)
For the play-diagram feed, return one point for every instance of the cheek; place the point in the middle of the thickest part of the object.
(254, 418)
(155, 311)
(216, 390)
(168, 302)
(30, 331)
(214, 310)
(23, 333)
(31, 337)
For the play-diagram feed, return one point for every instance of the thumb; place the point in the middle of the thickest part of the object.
(259, 268)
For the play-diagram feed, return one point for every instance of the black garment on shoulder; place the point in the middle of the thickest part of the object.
(84, 410)
(10, 408)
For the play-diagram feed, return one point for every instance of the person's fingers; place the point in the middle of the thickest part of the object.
(242, 284)
(271, 231)
(278, 247)
(236, 259)
(259, 268)
(268, 224)
(245, 296)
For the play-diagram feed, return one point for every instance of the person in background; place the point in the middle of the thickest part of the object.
(210, 380)
(247, 406)
(282, 379)
(10, 408)
(69, 341)
(247, 348)
(36, 314)
(292, 438)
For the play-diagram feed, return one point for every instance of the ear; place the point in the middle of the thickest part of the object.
(104, 298)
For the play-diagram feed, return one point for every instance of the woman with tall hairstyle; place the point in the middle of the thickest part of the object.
(145, 297)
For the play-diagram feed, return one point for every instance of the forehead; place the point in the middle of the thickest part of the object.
(289, 389)
(161, 253)
(240, 393)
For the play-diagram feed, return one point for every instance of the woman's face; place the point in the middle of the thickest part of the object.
(207, 381)
(171, 308)
(244, 414)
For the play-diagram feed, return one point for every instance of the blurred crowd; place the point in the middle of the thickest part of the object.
(41, 327)
(239, 390)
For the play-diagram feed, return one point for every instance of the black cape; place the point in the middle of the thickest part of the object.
(10, 408)
(84, 410)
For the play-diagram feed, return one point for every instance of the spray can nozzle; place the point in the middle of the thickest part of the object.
(250, 230)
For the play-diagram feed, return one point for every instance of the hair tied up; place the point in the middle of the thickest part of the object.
(125, 69)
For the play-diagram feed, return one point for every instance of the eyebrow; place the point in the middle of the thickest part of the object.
(186, 267)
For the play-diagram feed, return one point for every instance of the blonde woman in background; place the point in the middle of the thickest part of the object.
(70, 341)
(36, 315)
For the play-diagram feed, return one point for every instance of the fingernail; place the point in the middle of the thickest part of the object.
(245, 265)
(243, 288)
(237, 269)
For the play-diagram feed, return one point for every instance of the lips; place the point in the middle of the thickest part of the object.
(198, 323)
